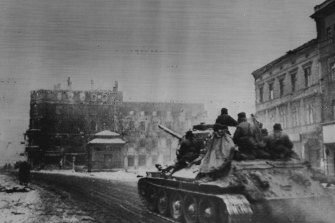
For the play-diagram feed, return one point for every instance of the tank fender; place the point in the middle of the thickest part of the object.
(301, 179)
(238, 207)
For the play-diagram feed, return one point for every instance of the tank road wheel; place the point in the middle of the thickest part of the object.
(163, 202)
(190, 209)
(151, 198)
(142, 188)
(207, 211)
(176, 206)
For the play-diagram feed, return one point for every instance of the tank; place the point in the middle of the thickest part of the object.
(243, 191)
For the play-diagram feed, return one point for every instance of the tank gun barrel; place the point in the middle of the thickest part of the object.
(169, 131)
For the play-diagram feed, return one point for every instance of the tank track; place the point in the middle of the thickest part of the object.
(233, 208)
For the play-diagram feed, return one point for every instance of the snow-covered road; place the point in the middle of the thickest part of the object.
(39, 205)
(66, 196)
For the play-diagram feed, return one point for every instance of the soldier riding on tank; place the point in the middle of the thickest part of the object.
(188, 152)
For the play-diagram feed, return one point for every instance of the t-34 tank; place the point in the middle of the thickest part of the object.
(224, 190)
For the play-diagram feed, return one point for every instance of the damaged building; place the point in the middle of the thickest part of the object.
(64, 121)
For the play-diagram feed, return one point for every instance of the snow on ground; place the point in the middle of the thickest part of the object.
(16, 207)
(121, 175)
(38, 206)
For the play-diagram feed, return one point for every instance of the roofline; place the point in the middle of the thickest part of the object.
(268, 66)
(163, 102)
(319, 8)
(66, 90)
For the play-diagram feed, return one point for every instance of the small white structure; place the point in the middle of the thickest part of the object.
(105, 151)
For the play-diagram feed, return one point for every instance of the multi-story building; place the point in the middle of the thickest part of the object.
(298, 91)
(288, 92)
(63, 121)
(324, 16)
(147, 144)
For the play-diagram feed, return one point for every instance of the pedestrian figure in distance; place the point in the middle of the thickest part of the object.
(60, 164)
(24, 173)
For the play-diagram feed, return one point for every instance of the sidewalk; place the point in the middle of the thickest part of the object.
(129, 176)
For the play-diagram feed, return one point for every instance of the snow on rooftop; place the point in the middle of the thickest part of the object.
(106, 141)
(107, 133)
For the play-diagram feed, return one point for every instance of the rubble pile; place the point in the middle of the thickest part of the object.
(14, 189)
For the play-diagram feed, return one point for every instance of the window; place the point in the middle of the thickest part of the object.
(332, 71)
(281, 87)
(293, 82)
(58, 109)
(295, 115)
(329, 32)
(261, 89)
(142, 142)
(308, 76)
(142, 125)
(131, 161)
(272, 115)
(271, 92)
(93, 126)
(283, 116)
(309, 114)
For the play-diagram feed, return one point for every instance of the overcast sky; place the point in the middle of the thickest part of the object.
(158, 50)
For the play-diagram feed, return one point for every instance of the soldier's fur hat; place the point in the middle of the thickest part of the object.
(241, 115)
(277, 127)
(224, 111)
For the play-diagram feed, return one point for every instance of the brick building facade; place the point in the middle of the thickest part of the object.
(63, 121)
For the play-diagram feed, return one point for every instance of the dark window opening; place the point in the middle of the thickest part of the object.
(329, 32)
(261, 89)
(308, 77)
(332, 71)
(293, 82)
(142, 160)
(131, 161)
(271, 92)
(281, 87)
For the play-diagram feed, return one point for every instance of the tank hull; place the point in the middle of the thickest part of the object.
(264, 192)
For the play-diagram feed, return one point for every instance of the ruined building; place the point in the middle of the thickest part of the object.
(62, 122)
